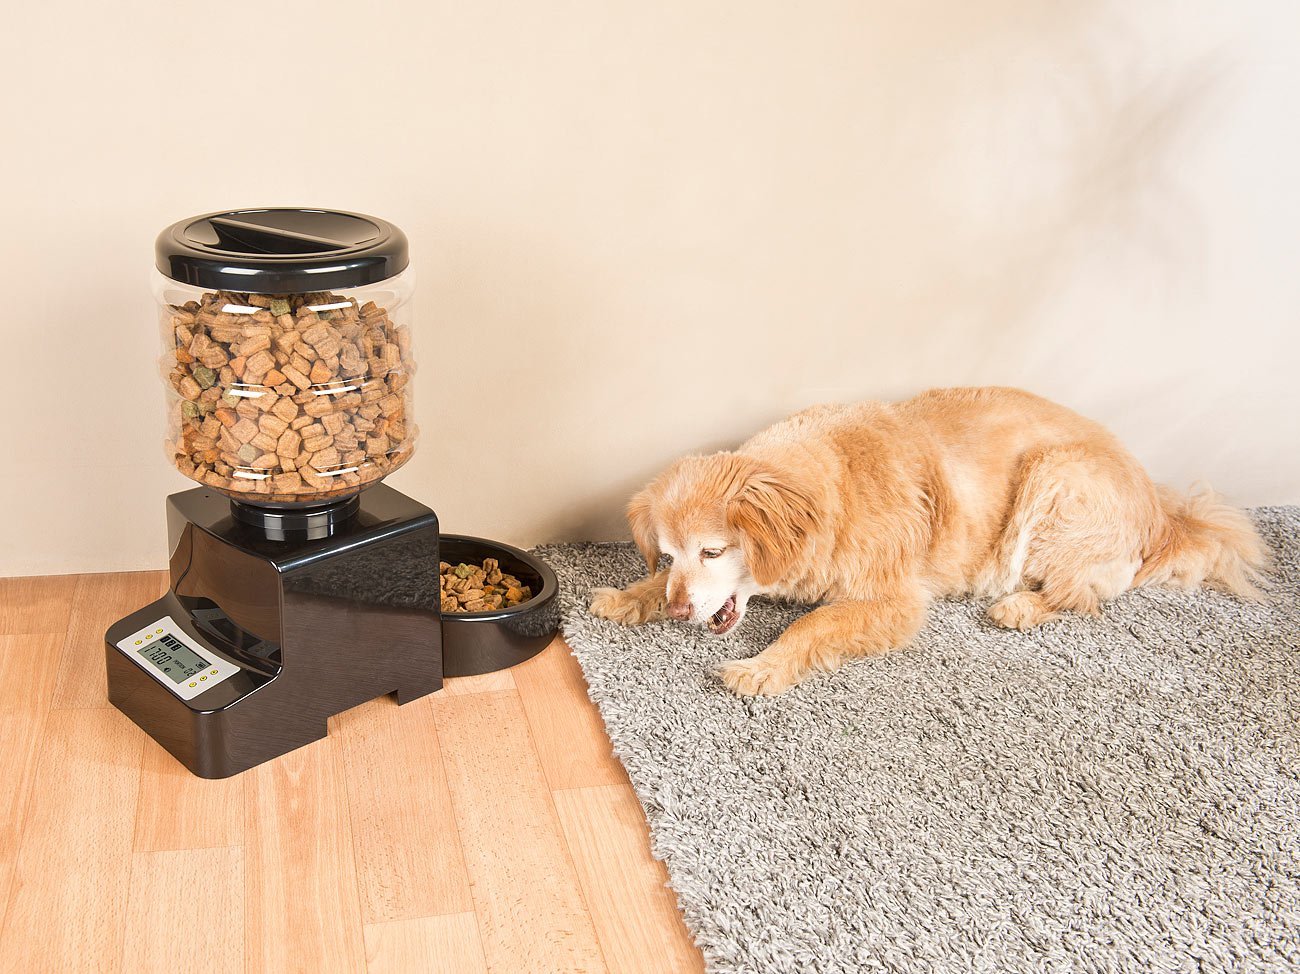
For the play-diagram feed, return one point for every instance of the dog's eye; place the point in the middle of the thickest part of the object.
(711, 553)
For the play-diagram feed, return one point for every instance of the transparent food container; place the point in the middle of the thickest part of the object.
(286, 353)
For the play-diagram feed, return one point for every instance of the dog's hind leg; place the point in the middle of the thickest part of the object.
(643, 601)
(827, 637)
(1074, 537)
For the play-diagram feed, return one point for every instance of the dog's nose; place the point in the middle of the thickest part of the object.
(680, 610)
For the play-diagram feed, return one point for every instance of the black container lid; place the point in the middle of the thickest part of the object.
(281, 250)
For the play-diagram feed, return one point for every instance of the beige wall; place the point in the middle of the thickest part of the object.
(642, 229)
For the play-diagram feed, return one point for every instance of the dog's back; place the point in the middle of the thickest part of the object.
(1007, 491)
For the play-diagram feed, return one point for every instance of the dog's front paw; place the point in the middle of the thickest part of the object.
(618, 606)
(1021, 610)
(757, 677)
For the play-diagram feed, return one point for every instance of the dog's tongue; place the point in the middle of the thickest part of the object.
(723, 615)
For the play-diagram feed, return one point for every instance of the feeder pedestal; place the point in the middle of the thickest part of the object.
(277, 620)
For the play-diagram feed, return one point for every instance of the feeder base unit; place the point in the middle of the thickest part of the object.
(274, 624)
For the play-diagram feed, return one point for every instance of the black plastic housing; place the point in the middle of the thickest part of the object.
(281, 250)
(316, 626)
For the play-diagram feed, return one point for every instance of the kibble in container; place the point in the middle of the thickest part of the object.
(286, 355)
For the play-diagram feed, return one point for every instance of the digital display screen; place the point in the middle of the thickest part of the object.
(173, 657)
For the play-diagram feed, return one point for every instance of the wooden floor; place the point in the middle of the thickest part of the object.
(484, 828)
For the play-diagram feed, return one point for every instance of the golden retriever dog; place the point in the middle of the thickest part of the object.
(873, 509)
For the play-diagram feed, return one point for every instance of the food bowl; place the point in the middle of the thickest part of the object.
(480, 642)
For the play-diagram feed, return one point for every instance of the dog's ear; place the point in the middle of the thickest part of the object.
(641, 521)
(774, 518)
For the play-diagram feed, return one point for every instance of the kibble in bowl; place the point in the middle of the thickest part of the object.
(480, 587)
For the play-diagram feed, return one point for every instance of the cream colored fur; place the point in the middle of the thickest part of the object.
(871, 510)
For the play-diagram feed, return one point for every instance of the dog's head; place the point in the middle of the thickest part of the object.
(731, 527)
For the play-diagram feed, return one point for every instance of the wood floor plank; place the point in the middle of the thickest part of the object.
(403, 831)
(180, 810)
(530, 909)
(430, 945)
(67, 907)
(458, 686)
(300, 887)
(20, 745)
(635, 913)
(35, 604)
(99, 601)
(569, 734)
(28, 670)
(26, 682)
(186, 912)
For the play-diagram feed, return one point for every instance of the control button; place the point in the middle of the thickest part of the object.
(139, 641)
(213, 672)
(193, 684)
(203, 678)
(148, 635)
(158, 630)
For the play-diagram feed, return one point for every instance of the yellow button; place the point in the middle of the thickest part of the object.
(193, 684)
(148, 635)
(157, 630)
(213, 672)
(203, 678)
(139, 641)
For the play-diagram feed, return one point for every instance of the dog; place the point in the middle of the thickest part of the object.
(871, 510)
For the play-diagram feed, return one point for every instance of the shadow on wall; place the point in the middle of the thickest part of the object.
(1090, 136)
(1036, 208)
(1022, 167)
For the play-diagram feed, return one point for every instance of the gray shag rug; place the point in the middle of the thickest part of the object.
(1112, 794)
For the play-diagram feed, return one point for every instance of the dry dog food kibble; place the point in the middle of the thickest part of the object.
(474, 588)
(299, 397)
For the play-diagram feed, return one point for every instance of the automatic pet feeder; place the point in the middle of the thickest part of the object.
(301, 586)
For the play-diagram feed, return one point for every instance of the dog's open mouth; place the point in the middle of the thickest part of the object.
(726, 617)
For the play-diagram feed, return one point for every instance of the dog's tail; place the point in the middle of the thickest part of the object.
(1205, 542)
